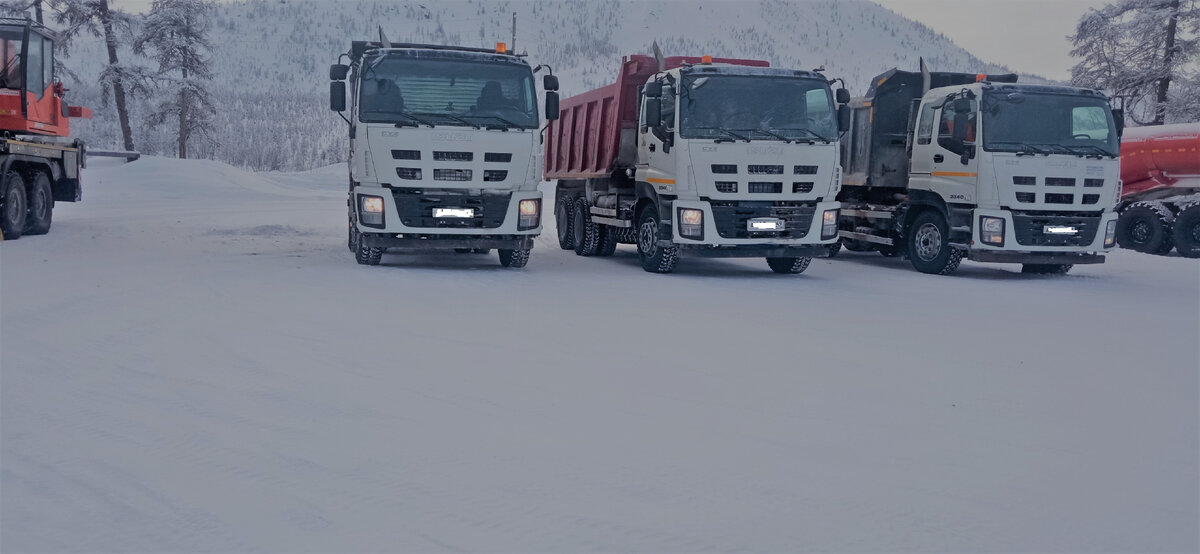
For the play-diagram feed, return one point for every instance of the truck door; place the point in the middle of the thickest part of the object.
(657, 140)
(953, 164)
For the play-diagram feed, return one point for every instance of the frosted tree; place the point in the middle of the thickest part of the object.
(175, 34)
(1138, 49)
(96, 18)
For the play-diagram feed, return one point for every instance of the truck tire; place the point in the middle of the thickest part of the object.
(929, 246)
(626, 235)
(789, 265)
(585, 234)
(41, 205)
(366, 255)
(834, 249)
(655, 258)
(1145, 227)
(352, 238)
(1046, 269)
(1187, 230)
(564, 220)
(515, 259)
(15, 209)
(608, 240)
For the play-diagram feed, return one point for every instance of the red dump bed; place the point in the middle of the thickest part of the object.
(1159, 155)
(586, 139)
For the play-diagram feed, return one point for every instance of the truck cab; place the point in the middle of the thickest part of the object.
(723, 158)
(988, 169)
(442, 149)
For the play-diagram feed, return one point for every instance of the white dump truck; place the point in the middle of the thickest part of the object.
(941, 166)
(699, 156)
(443, 149)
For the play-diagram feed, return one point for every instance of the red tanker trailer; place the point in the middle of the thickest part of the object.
(1160, 203)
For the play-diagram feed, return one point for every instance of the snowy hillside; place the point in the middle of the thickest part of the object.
(271, 56)
(192, 361)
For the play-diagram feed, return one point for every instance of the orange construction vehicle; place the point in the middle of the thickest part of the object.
(39, 164)
(1160, 203)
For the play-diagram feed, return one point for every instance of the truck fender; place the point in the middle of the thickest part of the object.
(648, 196)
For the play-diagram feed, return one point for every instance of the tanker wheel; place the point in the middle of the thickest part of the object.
(15, 209)
(1145, 227)
(41, 205)
(1187, 231)
(564, 221)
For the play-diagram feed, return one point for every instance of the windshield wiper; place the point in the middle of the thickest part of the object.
(809, 131)
(726, 131)
(506, 124)
(450, 117)
(776, 135)
(1100, 152)
(1025, 149)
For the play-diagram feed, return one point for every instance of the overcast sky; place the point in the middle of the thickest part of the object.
(1026, 35)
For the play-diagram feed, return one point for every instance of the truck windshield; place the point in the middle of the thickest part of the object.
(1055, 123)
(447, 92)
(757, 107)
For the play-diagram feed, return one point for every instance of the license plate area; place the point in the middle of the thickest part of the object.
(761, 224)
(458, 213)
(1070, 230)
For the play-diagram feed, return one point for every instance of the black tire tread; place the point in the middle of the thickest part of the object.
(1188, 216)
(789, 265)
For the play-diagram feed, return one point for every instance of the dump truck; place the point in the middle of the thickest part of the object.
(443, 148)
(942, 166)
(698, 156)
(39, 163)
(1160, 205)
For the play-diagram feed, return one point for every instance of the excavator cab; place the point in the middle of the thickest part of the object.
(31, 101)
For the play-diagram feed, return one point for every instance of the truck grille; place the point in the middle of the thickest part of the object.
(802, 188)
(804, 170)
(451, 174)
(409, 173)
(406, 154)
(761, 187)
(1093, 182)
(724, 169)
(727, 187)
(764, 169)
(494, 175)
(497, 157)
(1060, 182)
(452, 156)
(730, 218)
(415, 207)
(1030, 228)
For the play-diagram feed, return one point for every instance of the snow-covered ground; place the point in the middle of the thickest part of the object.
(192, 361)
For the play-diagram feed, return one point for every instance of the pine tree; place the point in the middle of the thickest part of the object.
(95, 17)
(175, 34)
(1137, 49)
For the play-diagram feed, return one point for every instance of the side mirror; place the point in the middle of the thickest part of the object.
(337, 96)
(843, 116)
(66, 110)
(962, 105)
(654, 90)
(1119, 121)
(551, 106)
(842, 96)
(959, 135)
(549, 82)
(338, 71)
(653, 112)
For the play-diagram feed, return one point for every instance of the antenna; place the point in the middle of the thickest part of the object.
(383, 41)
(514, 33)
(658, 57)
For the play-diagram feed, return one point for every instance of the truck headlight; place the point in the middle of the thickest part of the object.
(991, 230)
(829, 227)
(371, 212)
(529, 214)
(1110, 233)
(691, 223)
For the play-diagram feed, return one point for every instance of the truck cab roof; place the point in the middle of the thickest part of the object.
(360, 48)
(738, 69)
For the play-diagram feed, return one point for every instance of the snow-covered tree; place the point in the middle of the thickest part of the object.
(96, 18)
(1138, 49)
(175, 34)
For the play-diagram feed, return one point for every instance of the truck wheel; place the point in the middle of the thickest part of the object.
(1046, 269)
(12, 217)
(41, 205)
(1187, 231)
(366, 255)
(929, 246)
(1145, 227)
(352, 239)
(834, 248)
(564, 221)
(789, 265)
(608, 241)
(585, 234)
(655, 258)
(515, 259)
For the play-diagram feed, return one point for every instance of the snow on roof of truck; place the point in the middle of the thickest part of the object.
(361, 47)
(737, 69)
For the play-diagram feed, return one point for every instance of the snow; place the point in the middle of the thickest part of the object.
(191, 360)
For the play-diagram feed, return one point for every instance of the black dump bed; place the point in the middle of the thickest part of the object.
(875, 151)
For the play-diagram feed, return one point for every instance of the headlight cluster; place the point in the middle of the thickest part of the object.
(1110, 234)
(370, 211)
(529, 214)
(829, 226)
(691, 223)
(991, 230)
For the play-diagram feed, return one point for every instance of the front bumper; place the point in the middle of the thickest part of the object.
(803, 227)
(750, 251)
(407, 212)
(1024, 235)
(424, 242)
